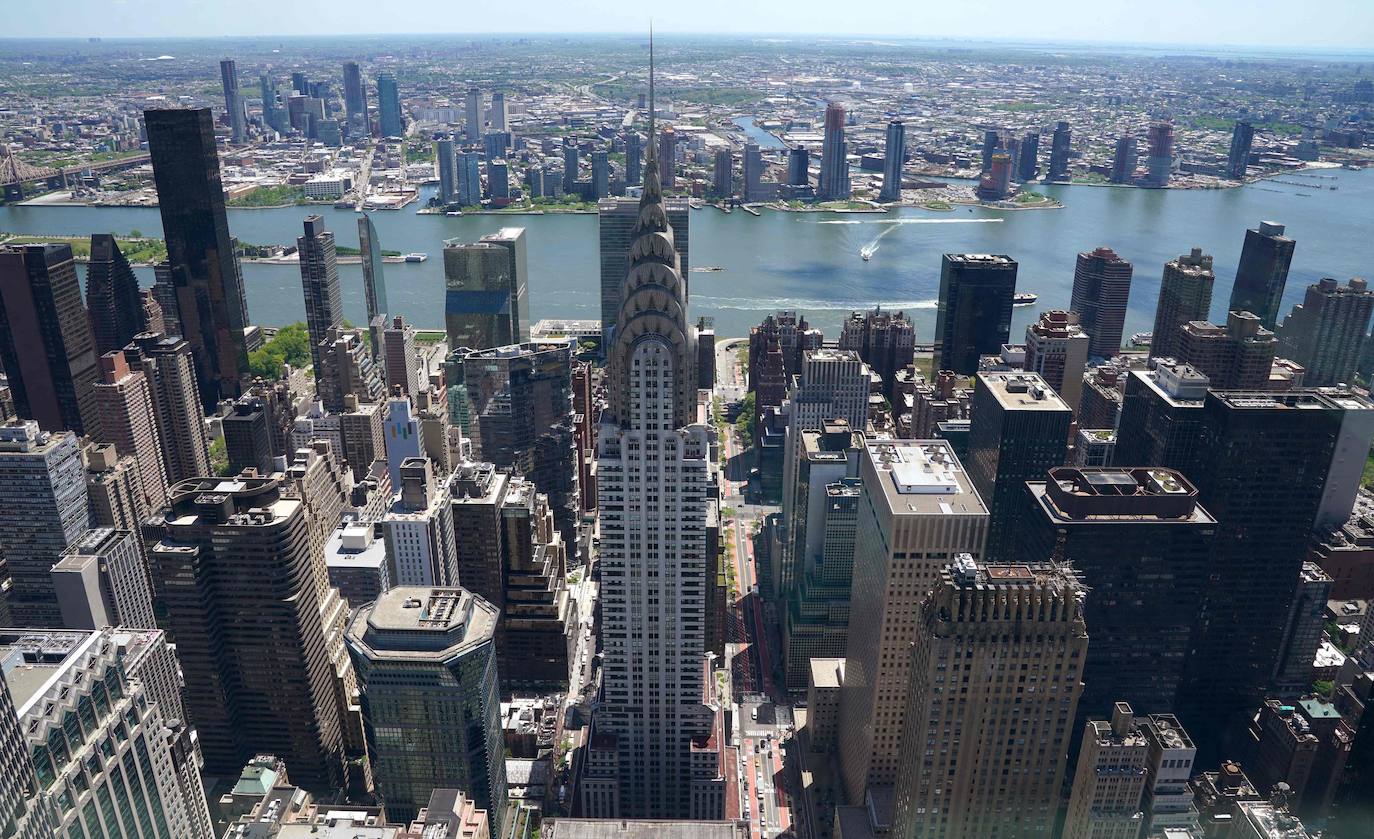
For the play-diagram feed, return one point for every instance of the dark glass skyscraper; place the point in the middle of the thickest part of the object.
(486, 303)
(1242, 138)
(46, 345)
(1124, 160)
(234, 105)
(1101, 288)
(974, 313)
(374, 283)
(355, 93)
(320, 282)
(112, 295)
(1059, 153)
(1263, 272)
(834, 179)
(895, 155)
(389, 120)
(204, 268)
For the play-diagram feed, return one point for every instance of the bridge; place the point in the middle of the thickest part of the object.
(15, 174)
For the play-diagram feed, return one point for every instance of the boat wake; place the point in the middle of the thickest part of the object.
(771, 303)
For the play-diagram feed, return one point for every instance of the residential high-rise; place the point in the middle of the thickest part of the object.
(601, 175)
(114, 489)
(1238, 356)
(1101, 288)
(1028, 162)
(539, 618)
(997, 748)
(654, 533)
(1168, 801)
(255, 547)
(1019, 429)
(112, 295)
(42, 513)
(570, 166)
(320, 281)
(248, 437)
(389, 120)
(102, 580)
(667, 157)
(211, 306)
(169, 366)
(448, 177)
(918, 510)
(1326, 331)
(1124, 160)
(355, 95)
(1303, 631)
(234, 106)
(1141, 543)
(834, 179)
(751, 167)
(1159, 160)
(473, 123)
(426, 663)
(125, 401)
(71, 690)
(476, 494)
(1263, 272)
(1304, 744)
(520, 412)
(1242, 138)
(973, 318)
(46, 346)
(894, 157)
(886, 341)
(487, 301)
(722, 174)
(992, 142)
(498, 111)
(798, 166)
(374, 283)
(818, 548)
(1185, 295)
(1057, 349)
(616, 220)
(1110, 781)
(1059, 153)
(402, 369)
(634, 146)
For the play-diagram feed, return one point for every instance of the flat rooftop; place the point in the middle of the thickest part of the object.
(923, 477)
(642, 829)
(1022, 392)
(31, 660)
(422, 622)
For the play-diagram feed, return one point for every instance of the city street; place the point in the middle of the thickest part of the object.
(763, 719)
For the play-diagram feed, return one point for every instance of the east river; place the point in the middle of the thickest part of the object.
(811, 261)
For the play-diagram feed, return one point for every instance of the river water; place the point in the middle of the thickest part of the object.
(811, 261)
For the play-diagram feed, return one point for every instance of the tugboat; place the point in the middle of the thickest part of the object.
(1024, 298)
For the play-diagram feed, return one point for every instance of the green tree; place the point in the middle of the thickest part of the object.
(291, 345)
(745, 424)
(219, 457)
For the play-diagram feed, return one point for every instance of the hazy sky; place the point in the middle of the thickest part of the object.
(1313, 23)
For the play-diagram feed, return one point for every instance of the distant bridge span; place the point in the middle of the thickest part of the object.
(15, 173)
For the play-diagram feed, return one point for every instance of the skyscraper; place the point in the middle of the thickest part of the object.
(654, 532)
(389, 120)
(472, 120)
(125, 401)
(114, 489)
(486, 304)
(448, 175)
(634, 145)
(1141, 543)
(834, 179)
(469, 184)
(17, 813)
(1160, 413)
(918, 510)
(418, 528)
(272, 114)
(616, 220)
(601, 175)
(1101, 288)
(320, 282)
(355, 95)
(1185, 294)
(667, 157)
(1124, 160)
(722, 174)
(248, 436)
(1326, 331)
(751, 167)
(973, 317)
(112, 295)
(374, 282)
(1028, 162)
(1159, 161)
(1262, 273)
(426, 664)
(204, 266)
(886, 341)
(46, 346)
(398, 355)
(168, 364)
(1237, 356)
(1242, 138)
(570, 164)
(498, 111)
(1019, 429)
(521, 417)
(234, 106)
(1110, 782)
(261, 654)
(894, 157)
(980, 619)
(42, 513)
(1059, 153)
(1057, 350)
(798, 166)
(102, 580)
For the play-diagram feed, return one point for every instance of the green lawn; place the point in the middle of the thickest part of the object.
(1017, 107)
(135, 249)
(269, 196)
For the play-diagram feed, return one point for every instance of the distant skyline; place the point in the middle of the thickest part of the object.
(1338, 24)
